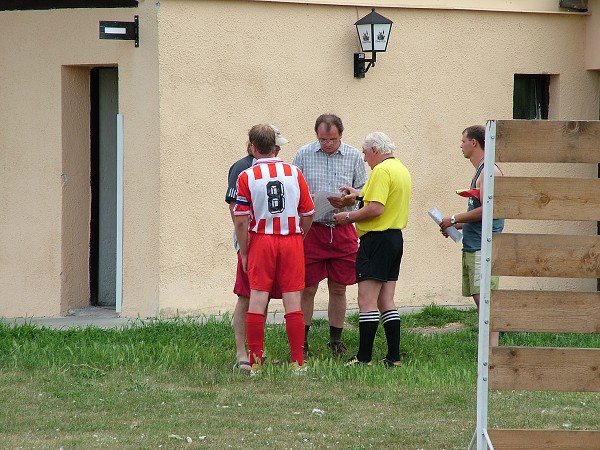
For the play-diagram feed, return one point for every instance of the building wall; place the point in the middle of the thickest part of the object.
(45, 58)
(204, 73)
(543, 6)
(226, 65)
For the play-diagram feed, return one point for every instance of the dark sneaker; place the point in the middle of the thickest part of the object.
(337, 348)
(354, 361)
(389, 363)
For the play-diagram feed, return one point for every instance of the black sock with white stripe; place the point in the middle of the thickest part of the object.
(391, 325)
(367, 327)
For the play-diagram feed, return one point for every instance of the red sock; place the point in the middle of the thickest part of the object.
(255, 334)
(294, 326)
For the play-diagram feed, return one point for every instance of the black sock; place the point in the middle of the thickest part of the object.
(391, 325)
(335, 334)
(367, 327)
(306, 328)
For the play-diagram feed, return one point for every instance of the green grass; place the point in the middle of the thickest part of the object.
(170, 385)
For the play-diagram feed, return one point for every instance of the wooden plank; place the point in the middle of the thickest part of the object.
(545, 311)
(546, 255)
(545, 369)
(503, 439)
(547, 198)
(548, 141)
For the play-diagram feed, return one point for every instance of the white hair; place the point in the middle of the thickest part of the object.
(380, 141)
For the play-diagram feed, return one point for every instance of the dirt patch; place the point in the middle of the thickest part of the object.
(448, 328)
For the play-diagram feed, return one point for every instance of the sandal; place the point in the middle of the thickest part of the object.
(242, 365)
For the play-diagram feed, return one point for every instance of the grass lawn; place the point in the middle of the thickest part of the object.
(170, 385)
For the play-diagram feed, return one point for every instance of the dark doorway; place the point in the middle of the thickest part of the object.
(104, 104)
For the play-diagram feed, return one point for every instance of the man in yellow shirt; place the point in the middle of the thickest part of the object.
(384, 202)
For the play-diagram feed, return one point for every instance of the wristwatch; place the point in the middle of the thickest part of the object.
(348, 217)
(452, 219)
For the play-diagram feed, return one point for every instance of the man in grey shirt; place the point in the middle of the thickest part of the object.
(330, 249)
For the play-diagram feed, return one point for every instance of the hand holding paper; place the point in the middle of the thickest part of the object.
(437, 217)
(322, 203)
(347, 197)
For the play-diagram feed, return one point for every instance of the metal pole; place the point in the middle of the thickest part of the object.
(483, 349)
(119, 263)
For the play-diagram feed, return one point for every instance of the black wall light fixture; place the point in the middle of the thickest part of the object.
(373, 33)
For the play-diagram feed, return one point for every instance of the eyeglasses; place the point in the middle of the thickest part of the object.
(328, 141)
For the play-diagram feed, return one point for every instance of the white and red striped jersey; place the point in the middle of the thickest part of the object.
(275, 195)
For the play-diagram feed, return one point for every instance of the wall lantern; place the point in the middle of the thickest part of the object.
(373, 33)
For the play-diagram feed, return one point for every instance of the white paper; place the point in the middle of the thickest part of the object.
(322, 205)
(437, 217)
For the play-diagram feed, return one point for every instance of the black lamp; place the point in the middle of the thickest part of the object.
(373, 33)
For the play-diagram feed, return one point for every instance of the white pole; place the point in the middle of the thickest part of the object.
(483, 347)
(119, 264)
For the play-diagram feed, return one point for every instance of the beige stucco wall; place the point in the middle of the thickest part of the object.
(592, 36)
(76, 195)
(45, 58)
(538, 6)
(236, 63)
(205, 72)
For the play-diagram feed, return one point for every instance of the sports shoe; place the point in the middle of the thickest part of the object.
(354, 361)
(389, 363)
(298, 369)
(255, 369)
(337, 348)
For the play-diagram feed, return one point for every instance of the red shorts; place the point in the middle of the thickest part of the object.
(242, 285)
(330, 252)
(275, 259)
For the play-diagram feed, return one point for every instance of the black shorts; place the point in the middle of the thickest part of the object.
(379, 255)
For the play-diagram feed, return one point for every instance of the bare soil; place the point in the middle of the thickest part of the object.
(448, 328)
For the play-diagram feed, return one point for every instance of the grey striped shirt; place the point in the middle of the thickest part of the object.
(328, 173)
